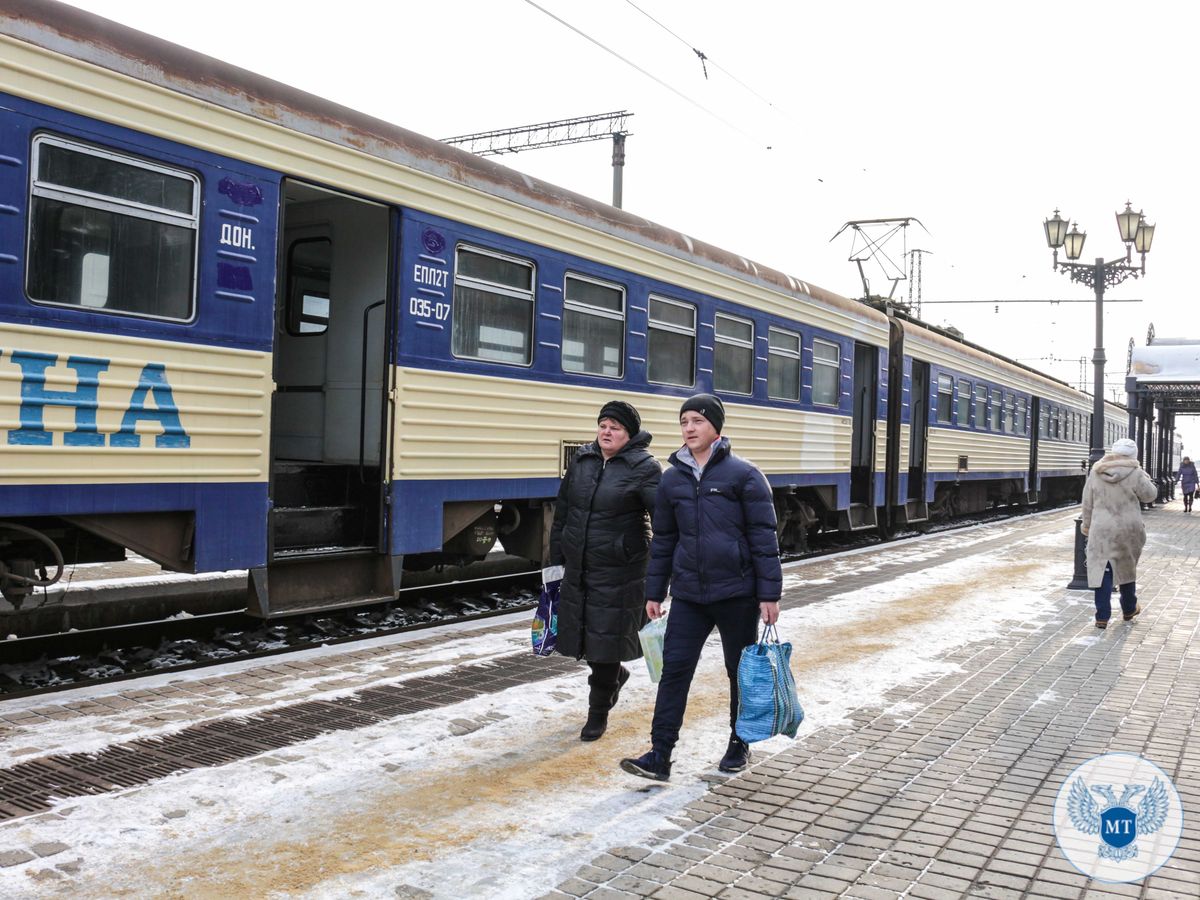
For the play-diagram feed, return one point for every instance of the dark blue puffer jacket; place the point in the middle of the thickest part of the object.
(714, 539)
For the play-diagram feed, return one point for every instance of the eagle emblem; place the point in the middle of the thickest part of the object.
(1116, 820)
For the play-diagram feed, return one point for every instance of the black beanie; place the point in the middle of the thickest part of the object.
(622, 412)
(708, 406)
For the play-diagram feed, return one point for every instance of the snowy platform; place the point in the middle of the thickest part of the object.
(951, 683)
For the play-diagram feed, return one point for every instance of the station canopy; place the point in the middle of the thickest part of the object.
(1167, 372)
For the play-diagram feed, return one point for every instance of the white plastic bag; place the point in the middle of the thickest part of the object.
(651, 639)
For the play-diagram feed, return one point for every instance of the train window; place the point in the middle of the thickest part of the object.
(783, 364)
(1022, 420)
(981, 406)
(308, 275)
(733, 355)
(1010, 414)
(997, 409)
(593, 325)
(671, 350)
(111, 233)
(964, 402)
(827, 371)
(945, 399)
(1056, 424)
(493, 307)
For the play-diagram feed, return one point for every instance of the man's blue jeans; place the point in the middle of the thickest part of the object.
(688, 627)
(1104, 596)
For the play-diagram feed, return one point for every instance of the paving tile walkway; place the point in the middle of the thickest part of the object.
(955, 797)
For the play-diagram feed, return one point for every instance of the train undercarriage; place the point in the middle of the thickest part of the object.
(35, 552)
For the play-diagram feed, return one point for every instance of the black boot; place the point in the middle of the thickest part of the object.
(604, 687)
(596, 725)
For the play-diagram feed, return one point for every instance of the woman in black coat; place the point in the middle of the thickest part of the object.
(601, 535)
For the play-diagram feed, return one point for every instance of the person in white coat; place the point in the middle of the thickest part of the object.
(1113, 496)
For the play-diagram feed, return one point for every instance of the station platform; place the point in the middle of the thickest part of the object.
(951, 684)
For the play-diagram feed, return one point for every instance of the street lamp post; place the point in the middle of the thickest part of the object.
(1137, 234)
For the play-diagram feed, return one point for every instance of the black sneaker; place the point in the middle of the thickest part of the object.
(650, 765)
(737, 756)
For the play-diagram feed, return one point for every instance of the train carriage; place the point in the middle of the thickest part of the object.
(977, 430)
(242, 327)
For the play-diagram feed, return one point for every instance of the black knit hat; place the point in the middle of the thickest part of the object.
(622, 412)
(708, 406)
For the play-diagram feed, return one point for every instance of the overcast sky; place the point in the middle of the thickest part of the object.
(976, 119)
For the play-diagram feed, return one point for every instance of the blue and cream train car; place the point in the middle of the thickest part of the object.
(976, 430)
(242, 327)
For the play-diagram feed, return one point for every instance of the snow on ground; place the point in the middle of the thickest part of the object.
(496, 797)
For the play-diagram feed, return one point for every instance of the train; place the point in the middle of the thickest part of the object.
(242, 327)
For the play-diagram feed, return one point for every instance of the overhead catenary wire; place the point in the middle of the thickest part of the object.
(705, 59)
(696, 103)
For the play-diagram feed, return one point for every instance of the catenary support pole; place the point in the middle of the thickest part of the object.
(618, 168)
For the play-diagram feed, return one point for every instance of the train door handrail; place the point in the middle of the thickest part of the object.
(362, 397)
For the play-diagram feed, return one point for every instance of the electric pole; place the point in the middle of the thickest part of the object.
(555, 134)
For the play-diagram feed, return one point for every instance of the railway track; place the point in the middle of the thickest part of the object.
(48, 663)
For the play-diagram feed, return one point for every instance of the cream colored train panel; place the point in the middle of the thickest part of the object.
(85, 408)
(985, 452)
(440, 433)
(1059, 456)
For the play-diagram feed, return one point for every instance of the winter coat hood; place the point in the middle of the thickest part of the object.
(1113, 468)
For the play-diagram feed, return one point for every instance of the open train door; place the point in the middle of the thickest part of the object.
(861, 513)
(330, 413)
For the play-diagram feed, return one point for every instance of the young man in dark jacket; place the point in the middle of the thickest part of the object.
(715, 545)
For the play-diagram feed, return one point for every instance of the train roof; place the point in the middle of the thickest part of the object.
(92, 39)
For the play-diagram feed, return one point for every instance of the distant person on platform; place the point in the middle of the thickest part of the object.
(1113, 496)
(715, 546)
(601, 535)
(1187, 482)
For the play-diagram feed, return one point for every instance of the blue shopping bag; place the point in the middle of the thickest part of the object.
(767, 703)
(544, 630)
